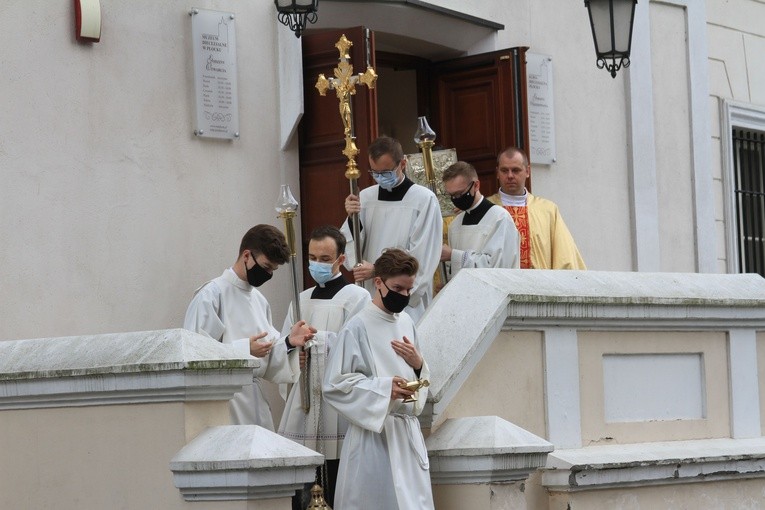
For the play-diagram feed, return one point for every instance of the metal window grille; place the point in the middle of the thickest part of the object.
(749, 170)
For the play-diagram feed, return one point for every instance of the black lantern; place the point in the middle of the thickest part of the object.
(611, 22)
(297, 13)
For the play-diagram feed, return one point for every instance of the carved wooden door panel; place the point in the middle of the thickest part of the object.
(478, 104)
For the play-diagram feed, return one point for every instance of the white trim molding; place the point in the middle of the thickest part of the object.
(643, 146)
(650, 464)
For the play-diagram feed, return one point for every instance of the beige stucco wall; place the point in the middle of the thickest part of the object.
(101, 457)
(594, 344)
(508, 382)
(483, 496)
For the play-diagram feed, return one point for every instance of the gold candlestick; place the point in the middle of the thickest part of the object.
(287, 206)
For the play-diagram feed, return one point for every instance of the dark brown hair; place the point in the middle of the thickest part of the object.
(386, 145)
(395, 262)
(266, 240)
(330, 231)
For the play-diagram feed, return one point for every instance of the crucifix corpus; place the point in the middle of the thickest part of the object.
(344, 85)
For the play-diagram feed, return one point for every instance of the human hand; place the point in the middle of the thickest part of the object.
(300, 333)
(352, 204)
(363, 271)
(446, 252)
(397, 390)
(260, 349)
(407, 351)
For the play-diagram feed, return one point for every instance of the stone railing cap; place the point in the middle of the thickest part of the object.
(483, 435)
(133, 352)
(230, 447)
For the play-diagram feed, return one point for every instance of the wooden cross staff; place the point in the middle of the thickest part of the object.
(344, 85)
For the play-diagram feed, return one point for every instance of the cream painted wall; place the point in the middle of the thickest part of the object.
(593, 345)
(508, 382)
(100, 457)
(111, 211)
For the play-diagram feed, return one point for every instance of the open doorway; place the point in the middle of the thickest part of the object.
(476, 105)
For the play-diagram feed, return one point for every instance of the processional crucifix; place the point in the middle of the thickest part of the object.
(344, 85)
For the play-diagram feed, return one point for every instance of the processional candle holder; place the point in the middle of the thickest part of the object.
(287, 206)
(344, 85)
(425, 138)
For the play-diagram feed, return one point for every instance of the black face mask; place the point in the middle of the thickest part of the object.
(464, 201)
(393, 301)
(256, 275)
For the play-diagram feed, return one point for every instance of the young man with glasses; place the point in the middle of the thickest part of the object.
(395, 213)
(482, 235)
(230, 309)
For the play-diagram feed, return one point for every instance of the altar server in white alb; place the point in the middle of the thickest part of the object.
(395, 213)
(231, 310)
(327, 307)
(483, 234)
(384, 463)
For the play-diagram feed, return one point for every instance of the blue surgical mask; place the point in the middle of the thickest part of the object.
(386, 179)
(321, 272)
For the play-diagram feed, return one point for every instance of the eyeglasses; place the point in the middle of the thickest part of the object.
(462, 193)
(382, 173)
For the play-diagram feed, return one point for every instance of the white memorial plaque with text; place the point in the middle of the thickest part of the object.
(214, 44)
(541, 113)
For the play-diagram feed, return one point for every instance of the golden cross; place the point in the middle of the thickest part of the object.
(344, 85)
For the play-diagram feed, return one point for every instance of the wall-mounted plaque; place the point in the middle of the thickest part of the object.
(442, 159)
(214, 44)
(539, 92)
